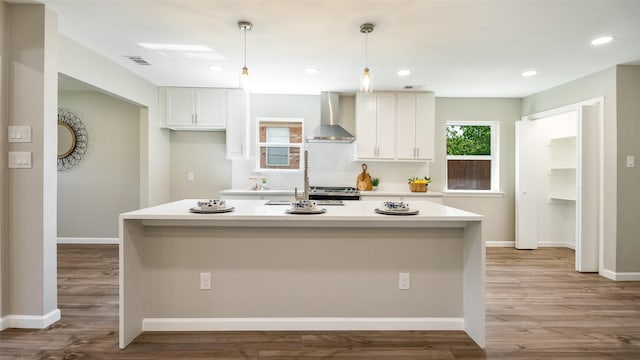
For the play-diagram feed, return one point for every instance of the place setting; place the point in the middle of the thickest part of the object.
(305, 207)
(214, 206)
(396, 208)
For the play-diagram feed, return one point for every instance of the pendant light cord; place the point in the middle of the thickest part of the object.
(244, 31)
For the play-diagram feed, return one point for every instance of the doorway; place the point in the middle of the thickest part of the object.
(559, 191)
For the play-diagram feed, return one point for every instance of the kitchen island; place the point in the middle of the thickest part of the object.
(271, 270)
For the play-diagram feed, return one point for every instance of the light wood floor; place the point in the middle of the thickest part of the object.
(537, 308)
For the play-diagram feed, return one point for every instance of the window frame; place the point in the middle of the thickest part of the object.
(494, 157)
(259, 144)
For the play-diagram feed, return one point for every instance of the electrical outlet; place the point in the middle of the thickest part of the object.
(205, 281)
(404, 281)
(190, 176)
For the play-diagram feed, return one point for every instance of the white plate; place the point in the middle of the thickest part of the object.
(404, 212)
(300, 211)
(211, 211)
(396, 210)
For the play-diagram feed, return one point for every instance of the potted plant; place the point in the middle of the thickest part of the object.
(374, 183)
(419, 184)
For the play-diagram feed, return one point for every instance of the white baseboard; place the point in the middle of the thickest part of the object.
(556, 244)
(29, 321)
(500, 244)
(73, 240)
(300, 324)
(620, 276)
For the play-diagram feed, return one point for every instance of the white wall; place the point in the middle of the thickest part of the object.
(106, 182)
(499, 210)
(83, 64)
(204, 155)
(329, 164)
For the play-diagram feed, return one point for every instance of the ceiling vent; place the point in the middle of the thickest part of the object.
(138, 60)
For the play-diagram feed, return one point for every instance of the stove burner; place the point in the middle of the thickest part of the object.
(333, 193)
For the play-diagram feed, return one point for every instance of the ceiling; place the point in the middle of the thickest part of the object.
(455, 48)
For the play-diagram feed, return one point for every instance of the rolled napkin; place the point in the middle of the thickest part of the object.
(211, 204)
(304, 205)
(396, 205)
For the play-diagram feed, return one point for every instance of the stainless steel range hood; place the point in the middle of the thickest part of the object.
(329, 130)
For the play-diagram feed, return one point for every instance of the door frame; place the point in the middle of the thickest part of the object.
(600, 128)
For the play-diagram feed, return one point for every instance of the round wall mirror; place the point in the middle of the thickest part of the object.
(72, 140)
(66, 140)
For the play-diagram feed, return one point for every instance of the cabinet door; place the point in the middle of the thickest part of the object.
(237, 128)
(180, 107)
(526, 185)
(386, 123)
(406, 127)
(211, 108)
(366, 125)
(425, 129)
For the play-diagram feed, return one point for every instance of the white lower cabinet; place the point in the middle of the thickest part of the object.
(395, 126)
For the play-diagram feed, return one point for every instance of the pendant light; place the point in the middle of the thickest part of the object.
(244, 74)
(365, 83)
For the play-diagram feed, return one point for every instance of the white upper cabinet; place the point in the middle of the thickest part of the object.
(237, 128)
(195, 109)
(395, 126)
(415, 126)
(375, 119)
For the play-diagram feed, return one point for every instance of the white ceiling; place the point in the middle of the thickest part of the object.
(471, 48)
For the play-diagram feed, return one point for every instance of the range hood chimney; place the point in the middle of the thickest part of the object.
(329, 130)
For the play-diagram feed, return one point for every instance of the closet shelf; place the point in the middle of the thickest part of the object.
(562, 198)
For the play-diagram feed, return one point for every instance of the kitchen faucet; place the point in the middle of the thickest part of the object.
(305, 194)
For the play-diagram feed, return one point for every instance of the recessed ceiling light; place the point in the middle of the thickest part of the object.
(311, 70)
(529, 73)
(216, 67)
(176, 47)
(404, 72)
(601, 40)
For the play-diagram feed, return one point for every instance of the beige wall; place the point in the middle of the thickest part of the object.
(32, 100)
(204, 155)
(106, 182)
(628, 179)
(499, 211)
(601, 84)
(3, 163)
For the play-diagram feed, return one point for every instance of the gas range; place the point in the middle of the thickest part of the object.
(333, 193)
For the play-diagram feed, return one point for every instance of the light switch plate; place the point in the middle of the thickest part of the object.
(19, 159)
(19, 133)
(631, 161)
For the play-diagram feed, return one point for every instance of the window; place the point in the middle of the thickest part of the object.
(472, 156)
(279, 143)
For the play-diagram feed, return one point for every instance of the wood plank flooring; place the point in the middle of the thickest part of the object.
(537, 308)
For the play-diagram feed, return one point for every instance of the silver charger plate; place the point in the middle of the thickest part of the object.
(307, 212)
(397, 212)
(212, 211)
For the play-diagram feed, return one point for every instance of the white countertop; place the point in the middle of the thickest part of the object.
(362, 193)
(256, 213)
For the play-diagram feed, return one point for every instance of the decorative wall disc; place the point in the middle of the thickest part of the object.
(73, 140)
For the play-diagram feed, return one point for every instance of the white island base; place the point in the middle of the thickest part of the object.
(276, 271)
